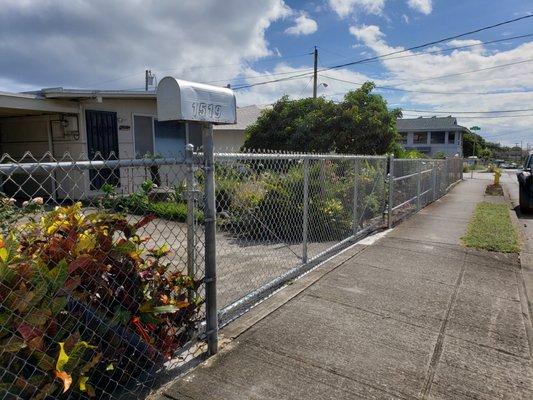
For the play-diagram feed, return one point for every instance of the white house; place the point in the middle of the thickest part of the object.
(232, 137)
(90, 123)
(432, 135)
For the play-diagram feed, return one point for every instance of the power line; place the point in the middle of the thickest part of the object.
(485, 116)
(392, 53)
(471, 112)
(434, 42)
(369, 61)
(298, 76)
(426, 92)
(305, 87)
(157, 69)
(447, 49)
(406, 82)
(505, 134)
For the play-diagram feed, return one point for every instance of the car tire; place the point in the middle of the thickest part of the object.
(525, 201)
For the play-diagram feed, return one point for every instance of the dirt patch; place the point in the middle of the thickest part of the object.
(494, 190)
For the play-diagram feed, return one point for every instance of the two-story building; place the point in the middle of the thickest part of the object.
(432, 135)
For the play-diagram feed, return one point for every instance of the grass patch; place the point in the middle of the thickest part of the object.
(491, 229)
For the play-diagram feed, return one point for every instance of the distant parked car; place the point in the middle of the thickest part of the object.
(525, 180)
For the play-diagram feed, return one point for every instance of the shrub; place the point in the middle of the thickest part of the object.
(81, 302)
(10, 213)
(270, 205)
(139, 203)
(173, 211)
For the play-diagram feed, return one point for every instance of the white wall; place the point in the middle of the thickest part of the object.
(19, 135)
(228, 139)
(32, 133)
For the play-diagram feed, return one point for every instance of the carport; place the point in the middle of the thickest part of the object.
(32, 124)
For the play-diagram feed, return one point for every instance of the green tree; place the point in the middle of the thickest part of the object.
(361, 123)
(469, 138)
(486, 153)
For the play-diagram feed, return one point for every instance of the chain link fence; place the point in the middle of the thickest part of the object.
(101, 275)
(280, 214)
(416, 183)
(102, 262)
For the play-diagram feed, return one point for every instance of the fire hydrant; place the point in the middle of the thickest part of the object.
(497, 175)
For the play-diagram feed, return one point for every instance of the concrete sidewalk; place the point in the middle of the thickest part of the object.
(414, 315)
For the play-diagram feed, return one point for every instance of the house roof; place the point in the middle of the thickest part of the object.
(246, 116)
(61, 93)
(428, 124)
(16, 104)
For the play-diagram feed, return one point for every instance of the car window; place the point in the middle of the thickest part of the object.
(529, 162)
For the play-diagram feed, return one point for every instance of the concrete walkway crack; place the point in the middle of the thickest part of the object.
(437, 351)
(360, 380)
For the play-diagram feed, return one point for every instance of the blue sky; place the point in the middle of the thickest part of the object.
(108, 45)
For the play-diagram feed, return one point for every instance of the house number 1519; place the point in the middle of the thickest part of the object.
(200, 109)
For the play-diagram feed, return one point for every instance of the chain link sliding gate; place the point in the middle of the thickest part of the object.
(281, 214)
(102, 262)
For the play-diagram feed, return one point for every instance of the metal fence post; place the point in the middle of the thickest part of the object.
(419, 186)
(305, 221)
(355, 195)
(447, 174)
(210, 241)
(391, 191)
(191, 198)
(434, 179)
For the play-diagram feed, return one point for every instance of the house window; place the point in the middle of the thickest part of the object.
(451, 137)
(403, 138)
(163, 139)
(420, 138)
(437, 137)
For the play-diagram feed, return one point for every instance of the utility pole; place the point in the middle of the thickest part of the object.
(315, 75)
(475, 128)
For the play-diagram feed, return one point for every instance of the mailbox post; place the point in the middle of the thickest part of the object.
(179, 100)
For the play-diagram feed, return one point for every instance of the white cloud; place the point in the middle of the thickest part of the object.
(303, 26)
(346, 7)
(297, 88)
(416, 73)
(423, 6)
(82, 43)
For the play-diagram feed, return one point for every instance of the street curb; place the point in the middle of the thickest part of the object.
(525, 287)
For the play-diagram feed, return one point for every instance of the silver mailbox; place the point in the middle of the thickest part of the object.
(191, 101)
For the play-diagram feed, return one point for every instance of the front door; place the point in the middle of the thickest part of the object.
(102, 144)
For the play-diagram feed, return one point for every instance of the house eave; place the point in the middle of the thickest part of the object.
(76, 94)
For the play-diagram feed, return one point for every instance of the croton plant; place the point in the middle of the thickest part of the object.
(83, 306)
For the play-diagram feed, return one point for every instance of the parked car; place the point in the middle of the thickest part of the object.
(525, 180)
